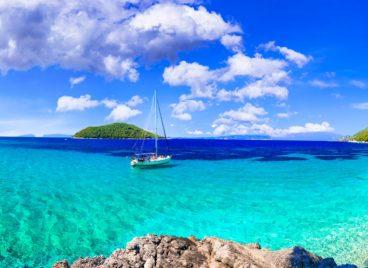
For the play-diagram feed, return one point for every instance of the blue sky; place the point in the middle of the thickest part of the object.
(275, 68)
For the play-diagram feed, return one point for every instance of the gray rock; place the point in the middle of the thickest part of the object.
(154, 251)
(61, 264)
(95, 262)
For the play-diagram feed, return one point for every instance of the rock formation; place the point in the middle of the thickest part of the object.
(169, 251)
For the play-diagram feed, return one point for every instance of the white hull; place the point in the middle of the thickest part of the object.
(151, 162)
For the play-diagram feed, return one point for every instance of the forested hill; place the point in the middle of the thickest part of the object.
(114, 131)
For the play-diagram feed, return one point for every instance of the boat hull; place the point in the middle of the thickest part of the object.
(151, 162)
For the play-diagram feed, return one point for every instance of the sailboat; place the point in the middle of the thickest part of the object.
(152, 159)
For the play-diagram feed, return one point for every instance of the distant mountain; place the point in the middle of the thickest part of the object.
(26, 136)
(316, 136)
(360, 136)
(245, 137)
(114, 131)
(56, 136)
(320, 136)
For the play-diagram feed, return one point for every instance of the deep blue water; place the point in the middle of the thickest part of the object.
(65, 198)
(202, 149)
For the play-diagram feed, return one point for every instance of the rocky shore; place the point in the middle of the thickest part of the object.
(169, 251)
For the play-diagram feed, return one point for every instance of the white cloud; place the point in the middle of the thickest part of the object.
(194, 75)
(122, 112)
(232, 42)
(360, 106)
(248, 113)
(236, 122)
(256, 67)
(265, 77)
(76, 80)
(267, 86)
(358, 83)
(184, 22)
(323, 84)
(195, 132)
(134, 101)
(68, 103)
(110, 103)
(224, 95)
(260, 88)
(104, 37)
(291, 55)
(307, 128)
(203, 81)
(119, 111)
(183, 107)
(118, 67)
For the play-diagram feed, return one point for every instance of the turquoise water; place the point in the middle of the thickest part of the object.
(59, 203)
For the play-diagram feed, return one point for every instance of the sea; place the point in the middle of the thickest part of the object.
(62, 198)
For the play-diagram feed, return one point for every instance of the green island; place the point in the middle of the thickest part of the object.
(361, 136)
(114, 131)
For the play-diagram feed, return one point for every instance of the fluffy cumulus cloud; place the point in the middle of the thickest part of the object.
(266, 77)
(134, 101)
(110, 103)
(270, 85)
(263, 77)
(68, 103)
(254, 67)
(182, 109)
(120, 111)
(247, 113)
(76, 80)
(106, 37)
(291, 55)
(123, 111)
(194, 75)
(232, 42)
(233, 121)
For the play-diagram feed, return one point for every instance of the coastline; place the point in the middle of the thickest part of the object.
(170, 251)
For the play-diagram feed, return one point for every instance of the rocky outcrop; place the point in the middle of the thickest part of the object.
(169, 251)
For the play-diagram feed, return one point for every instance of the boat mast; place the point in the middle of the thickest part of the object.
(162, 124)
(155, 99)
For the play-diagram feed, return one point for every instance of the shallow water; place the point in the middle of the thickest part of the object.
(69, 198)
